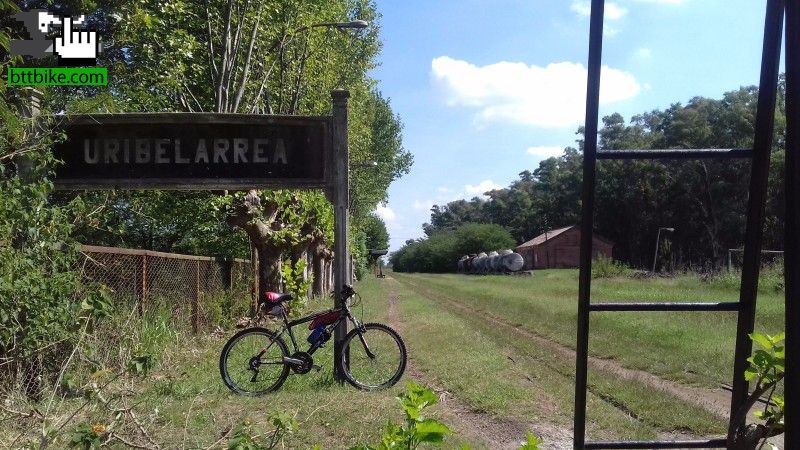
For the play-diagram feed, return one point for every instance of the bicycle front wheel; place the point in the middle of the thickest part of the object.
(251, 362)
(373, 358)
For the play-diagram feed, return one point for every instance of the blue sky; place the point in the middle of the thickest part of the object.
(487, 89)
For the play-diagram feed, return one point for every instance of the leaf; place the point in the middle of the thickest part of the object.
(431, 430)
(762, 340)
(532, 443)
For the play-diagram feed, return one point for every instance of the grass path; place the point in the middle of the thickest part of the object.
(509, 376)
(716, 401)
(481, 429)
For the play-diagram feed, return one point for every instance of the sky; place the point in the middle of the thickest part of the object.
(487, 89)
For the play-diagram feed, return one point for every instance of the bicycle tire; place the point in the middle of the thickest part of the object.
(241, 386)
(375, 335)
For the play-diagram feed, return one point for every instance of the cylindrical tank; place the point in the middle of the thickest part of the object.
(479, 263)
(513, 262)
(493, 263)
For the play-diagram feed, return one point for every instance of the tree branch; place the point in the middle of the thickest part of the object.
(248, 58)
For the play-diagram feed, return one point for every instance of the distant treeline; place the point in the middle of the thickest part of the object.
(705, 201)
(440, 252)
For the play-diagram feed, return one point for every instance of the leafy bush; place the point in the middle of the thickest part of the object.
(605, 267)
(767, 369)
(441, 251)
(43, 304)
(420, 430)
(296, 285)
(770, 278)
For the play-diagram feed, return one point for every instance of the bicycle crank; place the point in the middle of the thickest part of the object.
(301, 362)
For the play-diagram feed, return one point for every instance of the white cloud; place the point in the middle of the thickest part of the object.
(385, 213)
(643, 53)
(482, 187)
(545, 151)
(612, 11)
(582, 8)
(552, 96)
(424, 205)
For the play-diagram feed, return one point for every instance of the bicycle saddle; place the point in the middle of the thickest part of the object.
(277, 297)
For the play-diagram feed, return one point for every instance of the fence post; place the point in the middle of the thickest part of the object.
(195, 299)
(142, 297)
(227, 273)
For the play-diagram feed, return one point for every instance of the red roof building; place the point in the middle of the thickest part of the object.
(560, 248)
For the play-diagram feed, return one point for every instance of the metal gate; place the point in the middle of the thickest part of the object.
(759, 156)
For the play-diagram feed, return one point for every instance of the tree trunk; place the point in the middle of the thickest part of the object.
(318, 274)
(269, 268)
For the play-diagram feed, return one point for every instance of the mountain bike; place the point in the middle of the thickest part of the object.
(257, 360)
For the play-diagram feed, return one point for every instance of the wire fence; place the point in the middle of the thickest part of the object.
(198, 292)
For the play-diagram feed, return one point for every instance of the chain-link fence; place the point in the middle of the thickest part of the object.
(198, 292)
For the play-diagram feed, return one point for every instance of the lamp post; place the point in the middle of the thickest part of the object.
(658, 236)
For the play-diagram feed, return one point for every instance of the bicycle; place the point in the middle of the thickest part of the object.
(256, 360)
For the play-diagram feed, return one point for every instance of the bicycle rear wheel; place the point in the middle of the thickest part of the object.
(374, 358)
(251, 362)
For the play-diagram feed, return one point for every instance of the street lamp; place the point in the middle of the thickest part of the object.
(658, 236)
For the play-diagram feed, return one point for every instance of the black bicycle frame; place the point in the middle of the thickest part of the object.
(344, 312)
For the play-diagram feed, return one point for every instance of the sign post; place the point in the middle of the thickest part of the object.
(341, 204)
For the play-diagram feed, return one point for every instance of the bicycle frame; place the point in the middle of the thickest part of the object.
(288, 325)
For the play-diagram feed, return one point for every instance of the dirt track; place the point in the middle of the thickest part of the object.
(479, 427)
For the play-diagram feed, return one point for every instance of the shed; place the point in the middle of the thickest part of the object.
(560, 248)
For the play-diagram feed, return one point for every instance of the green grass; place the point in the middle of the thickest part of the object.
(695, 348)
(497, 372)
(184, 404)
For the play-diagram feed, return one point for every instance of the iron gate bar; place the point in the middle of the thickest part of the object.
(660, 306)
(587, 218)
(710, 443)
(695, 153)
(791, 382)
(759, 176)
(755, 216)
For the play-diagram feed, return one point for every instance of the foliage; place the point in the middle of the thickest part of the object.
(531, 442)
(705, 201)
(417, 429)
(605, 267)
(770, 278)
(249, 436)
(87, 437)
(297, 285)
(767, 367)
(43, 304)
(440, 251)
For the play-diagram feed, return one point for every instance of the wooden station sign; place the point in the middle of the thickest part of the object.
(194, 151)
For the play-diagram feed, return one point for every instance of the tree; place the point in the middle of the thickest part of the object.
(247, 57)
(703, 200)
(441, 251)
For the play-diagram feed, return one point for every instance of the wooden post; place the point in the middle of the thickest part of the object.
(196, 299)
(341, 204)
(142, 297)
(226, 265)
(255, 284)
